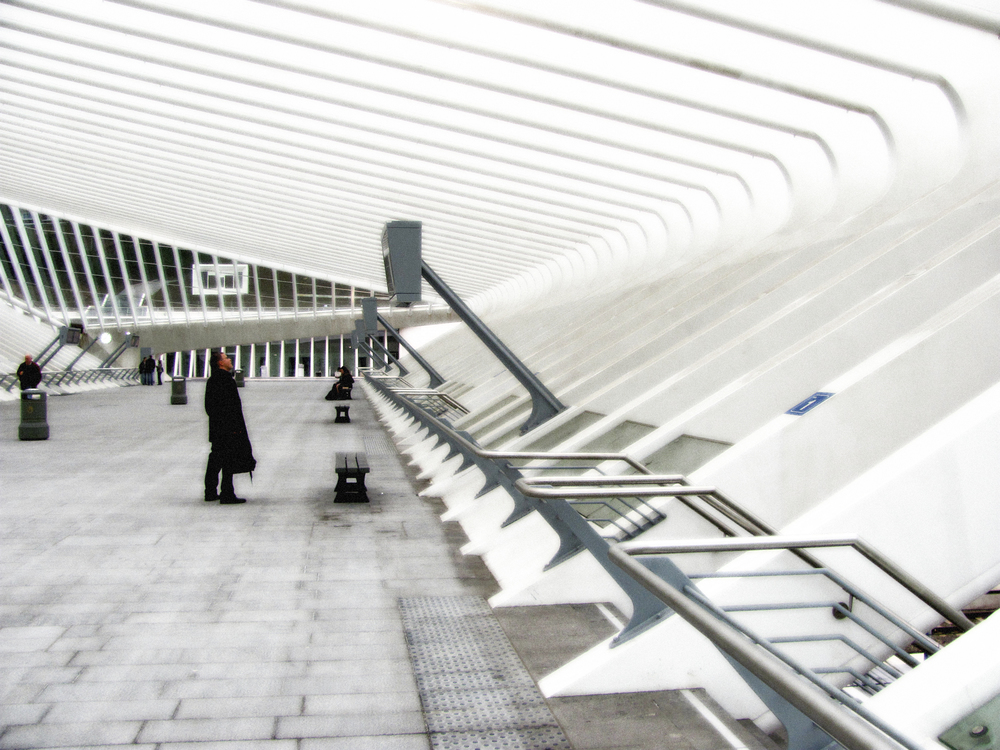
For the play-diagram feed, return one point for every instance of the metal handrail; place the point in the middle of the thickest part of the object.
(527, 455)
(55, 378)
(58, 377)
(574, 532)
(451, 402)
(899, 575)
(652, 485)
(860, 730)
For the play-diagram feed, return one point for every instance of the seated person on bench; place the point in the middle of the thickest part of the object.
(342, 388)
(345, 384)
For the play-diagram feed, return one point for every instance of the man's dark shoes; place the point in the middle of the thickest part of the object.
(231, 500)
(210, 498)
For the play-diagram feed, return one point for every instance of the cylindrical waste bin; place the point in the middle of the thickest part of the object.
(33, 415)
(178, 391)
(239, 378)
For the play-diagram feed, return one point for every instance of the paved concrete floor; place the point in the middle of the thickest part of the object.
(134, 613)
(131, 611)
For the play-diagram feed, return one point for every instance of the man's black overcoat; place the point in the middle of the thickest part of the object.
(227, 430)
(29, 375)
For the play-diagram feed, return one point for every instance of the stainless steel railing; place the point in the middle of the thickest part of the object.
(438, 403)
(56, 378)
(807, 701)
(851, 730)
(804, 688)
(883, 563)
(707, 502)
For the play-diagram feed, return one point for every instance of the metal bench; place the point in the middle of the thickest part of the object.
(351, 469)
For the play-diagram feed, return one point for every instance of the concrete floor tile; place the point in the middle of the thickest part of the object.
(209, 708)
(68, 735)
(381, 742)
(201, 730)
(411, 722)
(122, 657)
(263, 653)
(93, 643)
(234, 745)
(39, 676)
(360, 703)
(102, 691)
(363, 666)
(22, 713)
(249, 688)
(123, 710)
(50, 658)
(391, 646)
(20, 694)
(352, 683)
(135, 673)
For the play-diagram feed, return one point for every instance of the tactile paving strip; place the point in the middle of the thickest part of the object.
(476, 693)
(378, 445)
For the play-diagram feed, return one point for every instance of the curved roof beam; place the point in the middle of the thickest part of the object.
(183, 76)
(251, 111)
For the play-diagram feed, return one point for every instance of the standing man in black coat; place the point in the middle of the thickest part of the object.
(227, 431)
(29, 374)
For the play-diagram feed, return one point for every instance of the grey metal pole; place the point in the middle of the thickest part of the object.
(544, 404)
(366, 349)
(436, 379)
(360, 339)
(115, 354)
(41, 360)
(80, 355)
(402, 370)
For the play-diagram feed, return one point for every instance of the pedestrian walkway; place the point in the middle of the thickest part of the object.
(134, 613)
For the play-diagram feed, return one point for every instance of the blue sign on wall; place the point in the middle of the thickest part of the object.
(810, 403)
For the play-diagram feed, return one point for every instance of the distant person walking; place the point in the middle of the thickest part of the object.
(227, 431)
(29, 374)
(159, 372)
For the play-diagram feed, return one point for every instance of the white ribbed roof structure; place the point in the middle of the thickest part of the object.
(544, 145)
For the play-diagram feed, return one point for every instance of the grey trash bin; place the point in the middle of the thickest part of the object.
(240, 379)
(178, 391)
(33, 415)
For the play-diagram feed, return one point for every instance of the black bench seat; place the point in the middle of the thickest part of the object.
(351, 469)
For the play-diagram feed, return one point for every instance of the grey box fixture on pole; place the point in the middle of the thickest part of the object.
(401, 251)
(70, 334)
(359, 343)
(401, 255)
(369, 308)
(369, 311)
